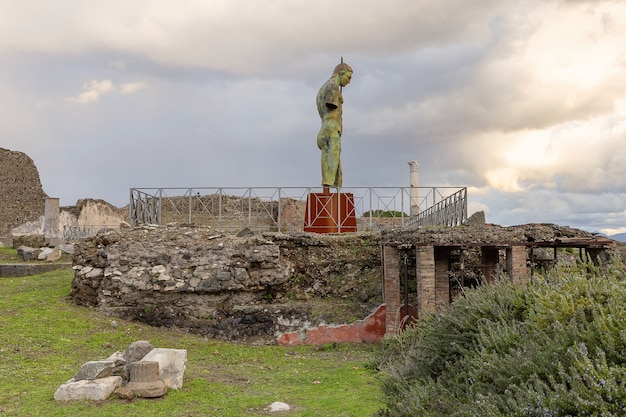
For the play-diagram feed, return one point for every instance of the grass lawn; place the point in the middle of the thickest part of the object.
(44, 339)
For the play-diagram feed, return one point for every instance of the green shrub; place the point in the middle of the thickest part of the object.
(384, 213)
(553, 347)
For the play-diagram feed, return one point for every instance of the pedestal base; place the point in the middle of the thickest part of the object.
(330, 213)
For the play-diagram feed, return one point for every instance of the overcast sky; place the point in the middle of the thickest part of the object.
(521, 101)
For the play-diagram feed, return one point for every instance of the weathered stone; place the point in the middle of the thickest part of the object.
(476, 219)
(34, 239)
(44, 253)
(125, 393)
(95, 370)
(67, 248)
(54, 255)
(95, 390)
(278, 406)
(119, 360)
(27, 252)
(137, 350)
(94, 273)
(145, 381)
(172, 365)
(20, 187)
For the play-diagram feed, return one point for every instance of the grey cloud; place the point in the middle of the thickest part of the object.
(486, 94)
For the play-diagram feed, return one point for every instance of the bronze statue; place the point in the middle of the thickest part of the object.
(329, 102)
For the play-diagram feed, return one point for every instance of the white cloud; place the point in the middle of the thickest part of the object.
(93, 91)
(131, 88)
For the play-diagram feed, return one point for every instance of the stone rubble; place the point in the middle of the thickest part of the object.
(47, 254)
(134, 373)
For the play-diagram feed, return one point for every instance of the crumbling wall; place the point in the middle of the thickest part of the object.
(249, 289)
(22, 197)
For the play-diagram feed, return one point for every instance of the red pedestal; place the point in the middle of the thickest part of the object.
(330, 213)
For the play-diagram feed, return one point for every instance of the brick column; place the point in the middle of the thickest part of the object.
(391, 288)
(489, 259)
(516, 263)
(442, 281)
(425, 265)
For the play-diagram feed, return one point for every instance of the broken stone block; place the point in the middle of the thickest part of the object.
(26, 252)
(54, 256)
(44, 253)
(124, 393)
(172, 365)
(96, 389)
(119, 361)
(135, 352)
(145, 381)
(95, 370)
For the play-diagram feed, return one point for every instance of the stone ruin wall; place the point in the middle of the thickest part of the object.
(22, 197)
(22, 205)
(255, 289)
(249, 289)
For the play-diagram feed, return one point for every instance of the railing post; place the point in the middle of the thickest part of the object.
(131, 209)
(339, 210)
(160, 205)
(219, 208)
(280, 209)
(190, 190)
(249, 207)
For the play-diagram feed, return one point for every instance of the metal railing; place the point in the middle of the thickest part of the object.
(282, 208)
(448, 211)
(82, 232)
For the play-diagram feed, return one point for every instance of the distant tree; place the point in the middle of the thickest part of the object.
(384, 213)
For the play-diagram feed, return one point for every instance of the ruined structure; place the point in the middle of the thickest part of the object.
(303, 287)
(21, 194)
(251, 288)
(424, 268)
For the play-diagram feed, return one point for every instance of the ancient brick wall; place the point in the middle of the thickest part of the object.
(21, 194)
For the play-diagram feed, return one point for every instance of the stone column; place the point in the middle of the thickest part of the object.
(414, 167)
(391, 276)
(425, 273)
(51, 232)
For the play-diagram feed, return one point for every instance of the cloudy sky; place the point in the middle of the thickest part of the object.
(521, 101)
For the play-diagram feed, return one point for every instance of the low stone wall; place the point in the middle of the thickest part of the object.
(24, 270)
(250, 289)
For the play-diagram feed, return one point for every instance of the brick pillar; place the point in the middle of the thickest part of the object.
(489, 260)
(442, 281)
(391, 287)
(516, 263)
(425, 265)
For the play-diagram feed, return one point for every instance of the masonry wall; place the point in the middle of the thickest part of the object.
(251, 289)
(22, 197)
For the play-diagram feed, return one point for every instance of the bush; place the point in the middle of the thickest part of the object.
(384, 213)
(553, 347)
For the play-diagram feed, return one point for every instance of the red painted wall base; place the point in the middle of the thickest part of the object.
(370, 329)
(330, 213)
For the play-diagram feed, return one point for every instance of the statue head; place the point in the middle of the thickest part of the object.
(343, 72)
